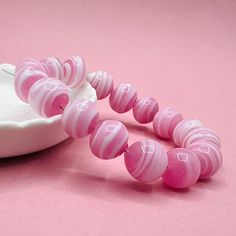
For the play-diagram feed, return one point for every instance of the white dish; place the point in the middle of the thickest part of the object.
(21, 130)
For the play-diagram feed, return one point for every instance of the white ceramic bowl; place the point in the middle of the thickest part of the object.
(21, 130)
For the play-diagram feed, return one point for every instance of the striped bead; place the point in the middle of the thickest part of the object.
(102, 82)
(48, 97)
(29, 63)
(210, 158)
(74, 71)
(183, 168)
(201, 135)
(53, 67)
(183, 128)
(145, 109)
(80, 118)
(165, 122)
(123, 98)
(24, 79)
(109, 139)
(146, 160)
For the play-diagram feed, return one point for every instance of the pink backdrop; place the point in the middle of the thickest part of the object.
(181, 52)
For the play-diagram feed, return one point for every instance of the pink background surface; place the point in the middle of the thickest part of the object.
(181, 52)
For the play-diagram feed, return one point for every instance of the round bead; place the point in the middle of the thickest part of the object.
(123, 98)
(102, 82)
(80, 118)
(24, 79)
(210, 158)
(183, 128)
(145, 109)
(29, 63)
(109, 139)
(48, 97)
(74, 71)
(165, 122)
(183, 168)
(53, 67)
(146, 160)
(201, 135)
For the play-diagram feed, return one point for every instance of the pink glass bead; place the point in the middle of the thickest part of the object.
(29, 63)
(123, 98)
(109, 139)
(102, 82)
(24, 79)
(145, 109)
(80, 118)
(53, 67)
(74, 71)
(183, 129)
(210, 158)
(146, 160)
(201, 135)
(165, 122)
(48, 97)
(183, 168)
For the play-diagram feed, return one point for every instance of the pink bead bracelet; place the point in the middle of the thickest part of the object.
(45, 86)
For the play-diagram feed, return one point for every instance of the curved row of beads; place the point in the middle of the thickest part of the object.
(145, 160)
(58, 78)
(196, 143)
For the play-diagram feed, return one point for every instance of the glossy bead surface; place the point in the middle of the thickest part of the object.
(53, 67)
(24, 79)
(165, 122)
(30, 63)
(146, 160)
(102, 82)
(183, 168)
(145, 109)
(183, 129)
(201, 135)
(210, 158)
(109, 139)
(48, 97)
(123, 98)
(79, 118)
(74, 71)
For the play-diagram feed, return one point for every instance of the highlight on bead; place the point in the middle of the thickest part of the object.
(48, 97)
(109, 139)
(165, 121)
(123, 98)
(210, 158)
(183, 168)
(74, 71)
(24, 79)
(184, 128)
(102, 82)
(80, 118)
(53, 67)
(145, 109)
(146, 160)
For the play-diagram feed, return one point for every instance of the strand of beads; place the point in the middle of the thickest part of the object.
(46, 88)
(197, 155)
